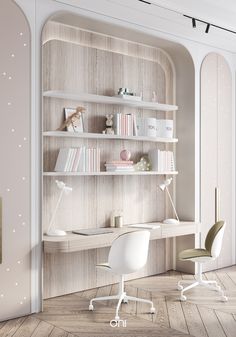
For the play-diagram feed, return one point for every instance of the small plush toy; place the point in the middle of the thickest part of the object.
(109, 123)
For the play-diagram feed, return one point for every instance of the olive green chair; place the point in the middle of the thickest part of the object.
(211, 252)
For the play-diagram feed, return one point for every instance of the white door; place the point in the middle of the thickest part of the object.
(15, 254)
(217, 151)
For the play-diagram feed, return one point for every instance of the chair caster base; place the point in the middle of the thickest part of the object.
(224, 298)
(183, 298)
(91, 307)
(117, 318)
(152, 310)
(179, 287)
(125, 301)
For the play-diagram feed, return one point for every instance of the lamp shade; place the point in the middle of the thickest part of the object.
(165, 183)
(162, 186)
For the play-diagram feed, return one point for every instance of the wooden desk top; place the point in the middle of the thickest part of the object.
(74, 242)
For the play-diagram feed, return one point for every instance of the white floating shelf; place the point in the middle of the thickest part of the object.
(67, 134)
(104, 173)
(82, 97)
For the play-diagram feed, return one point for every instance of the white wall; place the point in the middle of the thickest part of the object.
(15, 269)
(198, 45)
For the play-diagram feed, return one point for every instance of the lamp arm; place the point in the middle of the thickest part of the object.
(167, 190)
(55, 210)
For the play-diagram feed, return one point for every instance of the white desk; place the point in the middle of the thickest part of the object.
(69, 261)
(75, 243)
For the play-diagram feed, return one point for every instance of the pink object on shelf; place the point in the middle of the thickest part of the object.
(125, 155)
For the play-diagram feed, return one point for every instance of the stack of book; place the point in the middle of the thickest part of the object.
(80, 159)
(125, 124)
(162, 161)
(119, 166)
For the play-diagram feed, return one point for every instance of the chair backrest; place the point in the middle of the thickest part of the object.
(129, 252)
(214, 238)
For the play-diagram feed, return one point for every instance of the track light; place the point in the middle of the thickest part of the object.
(207, 28)
(194, 22)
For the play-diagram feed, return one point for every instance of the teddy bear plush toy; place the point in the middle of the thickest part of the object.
(109, 123)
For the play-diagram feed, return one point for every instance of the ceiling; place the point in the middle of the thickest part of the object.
(220, 12)
(166, 16)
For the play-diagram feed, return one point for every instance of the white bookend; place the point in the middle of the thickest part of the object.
(62, 159)
(154, 160)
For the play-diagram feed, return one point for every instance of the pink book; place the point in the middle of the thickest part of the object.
(120, 162)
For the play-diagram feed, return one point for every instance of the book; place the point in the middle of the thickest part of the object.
(77, 159)
(135, 130)
(161, 161)
(62, 160)
(120, 169)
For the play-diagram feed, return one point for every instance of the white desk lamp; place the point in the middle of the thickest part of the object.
(51, 230)
(164, 186)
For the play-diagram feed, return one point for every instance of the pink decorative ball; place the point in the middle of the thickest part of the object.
(125, 155)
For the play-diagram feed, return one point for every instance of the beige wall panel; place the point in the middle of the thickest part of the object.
(216, 150)
(82, 61)
(225, 160)
(15, 179)
(69, 272)
(209, 157)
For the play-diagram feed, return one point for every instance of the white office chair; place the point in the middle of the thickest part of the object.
(128, 254)
(212, 250)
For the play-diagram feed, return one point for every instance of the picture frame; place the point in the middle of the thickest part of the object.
(78, 124)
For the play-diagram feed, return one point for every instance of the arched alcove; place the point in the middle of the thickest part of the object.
(217, 157)
(15, 241)
(84, 55)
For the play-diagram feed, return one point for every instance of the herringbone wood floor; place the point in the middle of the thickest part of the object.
(203, 315)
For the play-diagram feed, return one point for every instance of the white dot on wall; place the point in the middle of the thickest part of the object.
(25, 44)
(19, 145)
(4, 74)
(2, 295)
(25, 298)
(12, 55)
(21, 302)
(13, 230)
(25, 138)
(21, 34)
(23, 223)
(16, 284)
(19, 262)
(8, 269)
(9, 103)
(10, 78)
(19, 215)
(8, 190)
(23, 178)
(12, 130)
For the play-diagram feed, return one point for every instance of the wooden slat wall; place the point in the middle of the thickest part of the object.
(82, 61)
